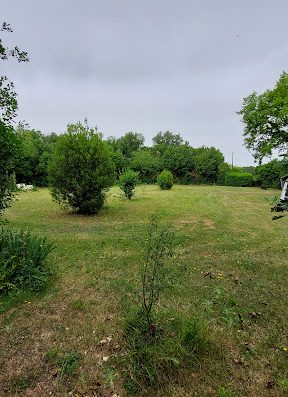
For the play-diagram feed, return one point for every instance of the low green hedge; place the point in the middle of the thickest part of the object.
(235, 178)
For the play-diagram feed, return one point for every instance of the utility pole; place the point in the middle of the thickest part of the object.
(232, 163)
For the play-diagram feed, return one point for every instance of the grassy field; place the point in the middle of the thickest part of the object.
(232, 271)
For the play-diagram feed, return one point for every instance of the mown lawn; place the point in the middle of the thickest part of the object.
(231, 269)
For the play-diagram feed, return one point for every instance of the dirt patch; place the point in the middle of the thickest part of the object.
(209, 224)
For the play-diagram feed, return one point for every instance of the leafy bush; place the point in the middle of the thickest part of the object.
(165, 180)
(235, 178)
(268, 175)
(127, 182)
(224, 168)
(81, 170)
(22, 261)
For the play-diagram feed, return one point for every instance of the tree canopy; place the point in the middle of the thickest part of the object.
(168, 138)
(266, 120)
(8, 101)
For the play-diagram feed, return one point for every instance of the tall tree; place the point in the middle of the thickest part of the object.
(266, 120)
(168, 138)
(8, 101)
(8, 107)
(130, 143)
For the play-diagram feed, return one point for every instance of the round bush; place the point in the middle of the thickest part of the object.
(165, 180)
(128, 181)
(235, 178)
(81, 170)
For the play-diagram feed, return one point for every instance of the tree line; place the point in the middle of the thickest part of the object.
(204, 165)
(188, 165)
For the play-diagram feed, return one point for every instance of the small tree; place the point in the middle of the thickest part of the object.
(154, 277)
(165, 180)
(81, 169)
(127, 182)
(8, 108)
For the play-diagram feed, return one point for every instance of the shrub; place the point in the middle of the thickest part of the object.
(224, 168)
(235, 178)
(22, 261)
(127, 182)
(268, 175)
(165, 180)
(81, 170)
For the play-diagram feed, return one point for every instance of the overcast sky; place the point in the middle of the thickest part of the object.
(146, 65)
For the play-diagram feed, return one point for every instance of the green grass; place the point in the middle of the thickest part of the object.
(231, 269)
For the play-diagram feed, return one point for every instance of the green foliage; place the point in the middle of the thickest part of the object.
(130, 143)
(180, 160)
(8, 149)
(127, 182)
(235, 178)
(120, 161)
(164, 139)
(8, 102)
(22, 261)
(35, 151)
(249, 168)
(165, 180)
(81, 170)
(12, 183)
(266, 119)
(8, 108)
(223, 169)
(147, 163)
(268, 175)
(208, 162)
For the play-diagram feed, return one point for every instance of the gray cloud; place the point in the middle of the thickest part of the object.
(147, 65)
